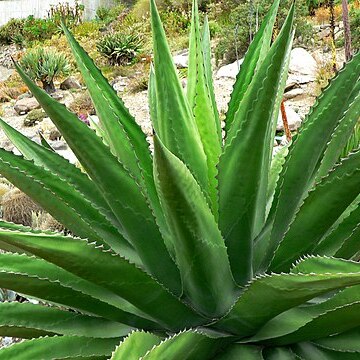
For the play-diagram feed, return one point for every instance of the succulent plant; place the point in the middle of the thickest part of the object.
(210, 248)
(119, 48)
(45, 65)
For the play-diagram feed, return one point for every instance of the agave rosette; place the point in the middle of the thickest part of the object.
(209, 249)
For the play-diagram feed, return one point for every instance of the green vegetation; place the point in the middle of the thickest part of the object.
(355, 27)
(207, 248)
(119, 48)
(239, 22)
(45, 66)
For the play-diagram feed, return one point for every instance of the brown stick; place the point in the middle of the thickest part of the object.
(285, 121)
(347, 33)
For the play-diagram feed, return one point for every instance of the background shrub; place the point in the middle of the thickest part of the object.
(10, 30)
(45, 65)
(119, 48)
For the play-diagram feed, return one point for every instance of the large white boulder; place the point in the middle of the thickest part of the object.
(302, 63)
(230, 70)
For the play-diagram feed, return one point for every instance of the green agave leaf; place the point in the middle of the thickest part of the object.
(201, 102)
(323, 264)
(56, 164)
(153, 99)
(123, 134)
(347, 341)
(110, 271)
(350, 248)
(332, 195)
(25, 275)
(24, 320)
(120, 189)
(342, 242)
(341, 133)
(274, 174)
(309, 351)
(63, 202)
(246, 157)
(11, 226)
(238, 351)
(206, 49)
(306, 153)
(176, 124)
(254, 57)
(309, 322)
(279, 354)
(332, 322)
(59, 347)
(200, 251)
(188, 345)
(269, 295)
(135, 346)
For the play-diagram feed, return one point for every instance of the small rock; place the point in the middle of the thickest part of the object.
(70, 83)
(181, 60)
(293, 119)
(64, 97)
(230, 70)
(5, 73)
(24, 96)
(59, 145)
(324, 33)
(23, 106)
(54, 135)
(34, 116)
(339, 34)
(293, 93)
(119, 84)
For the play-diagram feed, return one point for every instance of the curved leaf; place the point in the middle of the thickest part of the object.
(238, 351)
(63, 202)
(24, 320)
(347, 341)
(306, 152)
(202, 104)
(246, 157)
(123, 134)
(120, 189)
(109, 271)
(59, 347)
(269, 295)
(200, 251)
(337, 314)
(342, 242)
(25, 275)
(255, 55)
(341, 133)
(332, 195)
(56, 164)
(309, 351)
(135, 346)
(186, 346)
(176, 124)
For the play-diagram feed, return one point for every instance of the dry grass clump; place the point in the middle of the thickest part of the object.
(17, 207)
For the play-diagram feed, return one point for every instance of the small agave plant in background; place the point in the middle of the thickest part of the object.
(208, 249)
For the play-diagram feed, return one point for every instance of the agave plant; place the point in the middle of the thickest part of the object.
(210, 248)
